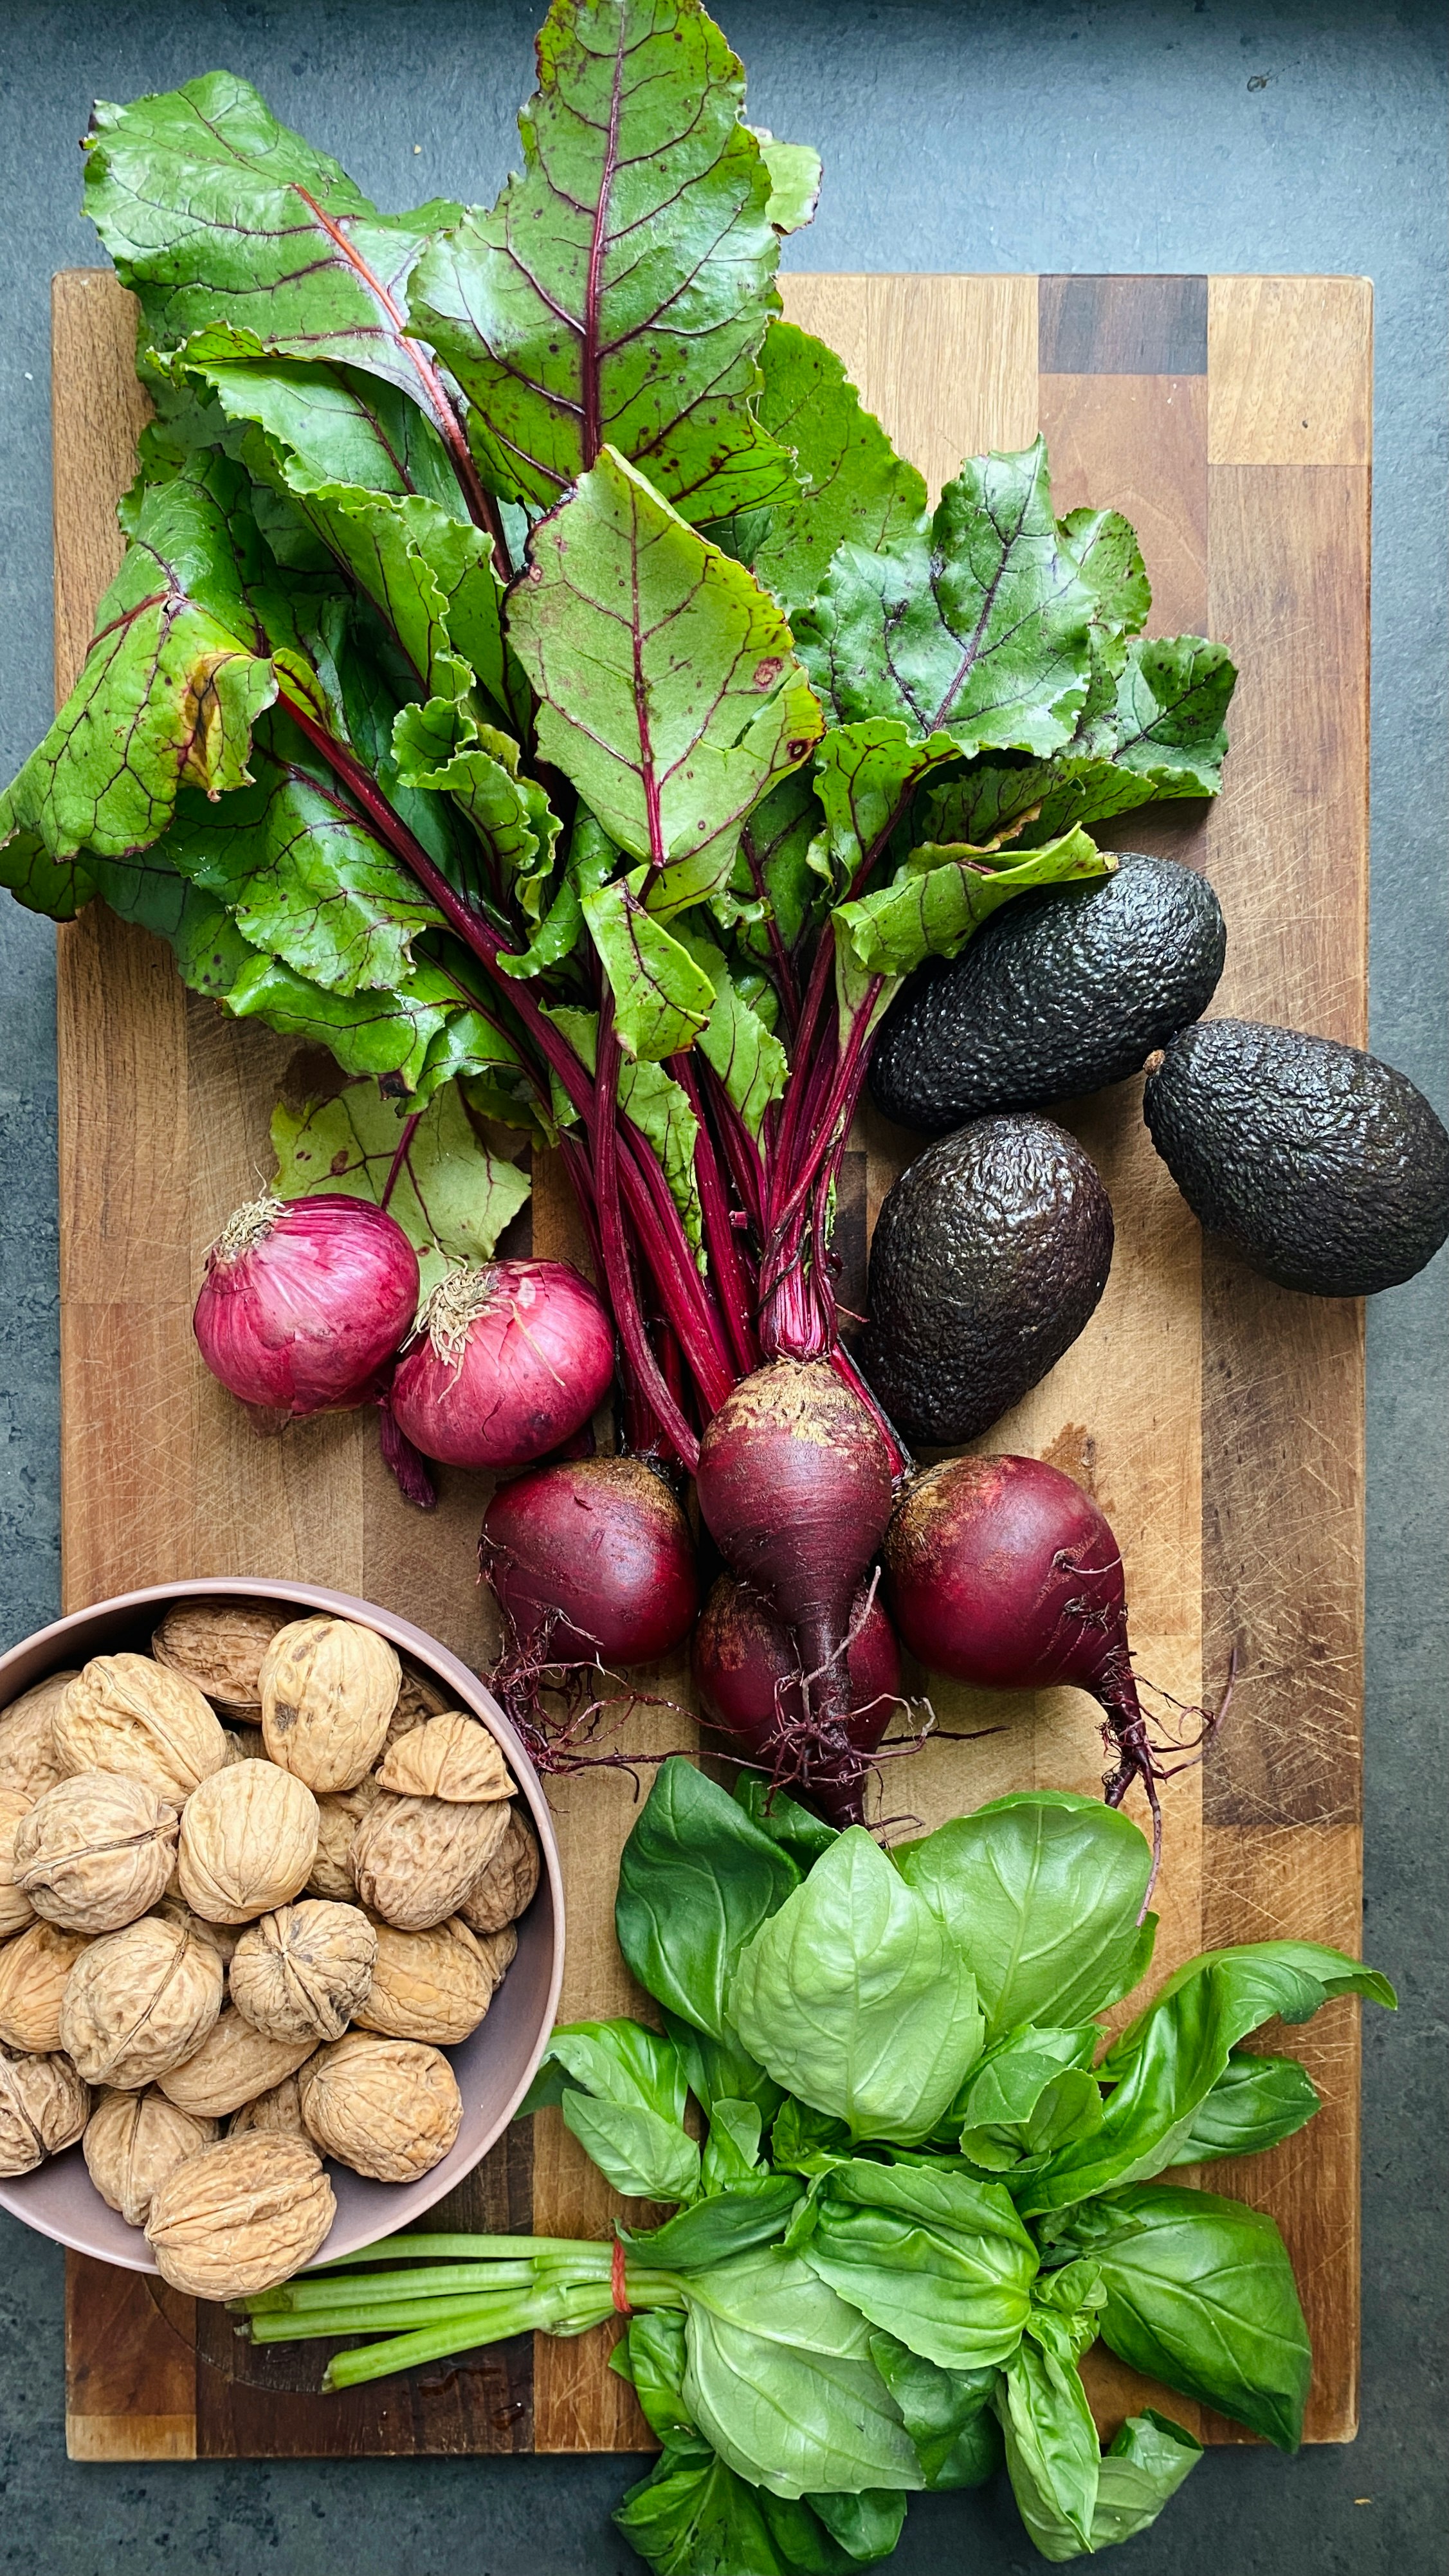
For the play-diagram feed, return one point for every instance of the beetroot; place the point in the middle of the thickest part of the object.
(304, 1302)
(511, 1359)
(1003, 1573)
(591, 1560)
(750, 1686)
(794, 1483)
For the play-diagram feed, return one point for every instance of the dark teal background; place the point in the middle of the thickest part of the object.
(986, 135)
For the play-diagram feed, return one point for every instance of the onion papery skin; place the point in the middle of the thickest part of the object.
(512, 1359)
(592, 1560)
(1001, 1572)
(305, 1301)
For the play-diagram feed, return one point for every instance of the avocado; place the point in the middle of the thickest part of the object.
(990, 1252)
(1327, 1170)
(1057, 994)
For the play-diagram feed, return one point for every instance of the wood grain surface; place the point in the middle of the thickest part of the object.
(1219, 1420)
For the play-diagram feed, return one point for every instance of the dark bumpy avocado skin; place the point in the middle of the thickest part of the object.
(1057, 995)
(1327, 1170)
(989, 1255)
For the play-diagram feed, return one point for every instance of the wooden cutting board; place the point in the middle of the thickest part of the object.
(1219, 1420)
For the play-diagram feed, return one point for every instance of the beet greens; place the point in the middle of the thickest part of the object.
(537, 673)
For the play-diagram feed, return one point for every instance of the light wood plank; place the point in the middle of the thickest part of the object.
(1290, 370)
(905, 341)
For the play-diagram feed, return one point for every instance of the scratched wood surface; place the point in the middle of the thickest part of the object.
(1219, 1420)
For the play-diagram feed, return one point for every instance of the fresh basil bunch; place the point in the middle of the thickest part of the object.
(924, 2191)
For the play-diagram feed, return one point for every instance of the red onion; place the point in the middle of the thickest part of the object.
(511, 1359)
(305, 1301)
(590, 1559)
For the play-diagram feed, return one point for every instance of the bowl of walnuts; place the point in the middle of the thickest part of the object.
(281, 1929)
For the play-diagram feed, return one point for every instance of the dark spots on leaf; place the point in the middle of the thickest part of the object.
(768, 671)
(339, 1162)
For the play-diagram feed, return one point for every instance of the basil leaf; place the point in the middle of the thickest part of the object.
(622, 2062)
(1041, 1893)
(696, 1881)
(718, 2070)
(451, 1197)
(855, 1998)
(853, 2530)
(979, 628)
(641, 2154)
(790, 2417)
(1142, 2469)
(1170, 2059)
(807, 2140)
(1031, 2092)
(947, 2414)
(803, 1835)
(732, 2151)
(731, 2221)
(651, 2357)
(673, 718)
(620, 287)
(692, 2516)
(1255, 2103)
(939, 2261)
(1201, 2295)
(1052, 2456)
(779, 2299)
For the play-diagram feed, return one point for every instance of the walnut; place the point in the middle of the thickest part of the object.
(507, 1884)
(278, 2111)
(133, 2142)
(96, 1851)
(428, 1985)
(389, 2108)
(419, 1697)
(124, 1713)
(248, 1840)
(219, 1645)
(241, 2216)
(16, 1909)
(33, 1973)
(337, 1821)
(414, 1859)
(139, 2001)
(29, 1760)
(304, 1971)
(451, 1756)
(328, 1690)
(44, 2106)
(234, 2063)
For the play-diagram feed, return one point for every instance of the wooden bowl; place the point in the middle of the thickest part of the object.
(494, 2067)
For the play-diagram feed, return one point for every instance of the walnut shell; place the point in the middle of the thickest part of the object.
(16, 1909)
(248, 1840)
(428, 1985)
(337, 1821)
(304, 1971)
(96, 1851)
(34, 1970)
(414, 1859)
(44, 2106)
(507, 1884)
(241, 2216)
(419, 1697)
(451, 1756)
(222, 1936)
(234, 2063)
(133, 2142)
(29, 1759)
(124, 1713)
(389, 2108)
(328, 1690)
(139, 2001)
(278, 2111)
(219, 1645)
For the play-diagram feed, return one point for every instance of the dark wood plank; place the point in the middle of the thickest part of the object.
(1123, 326)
